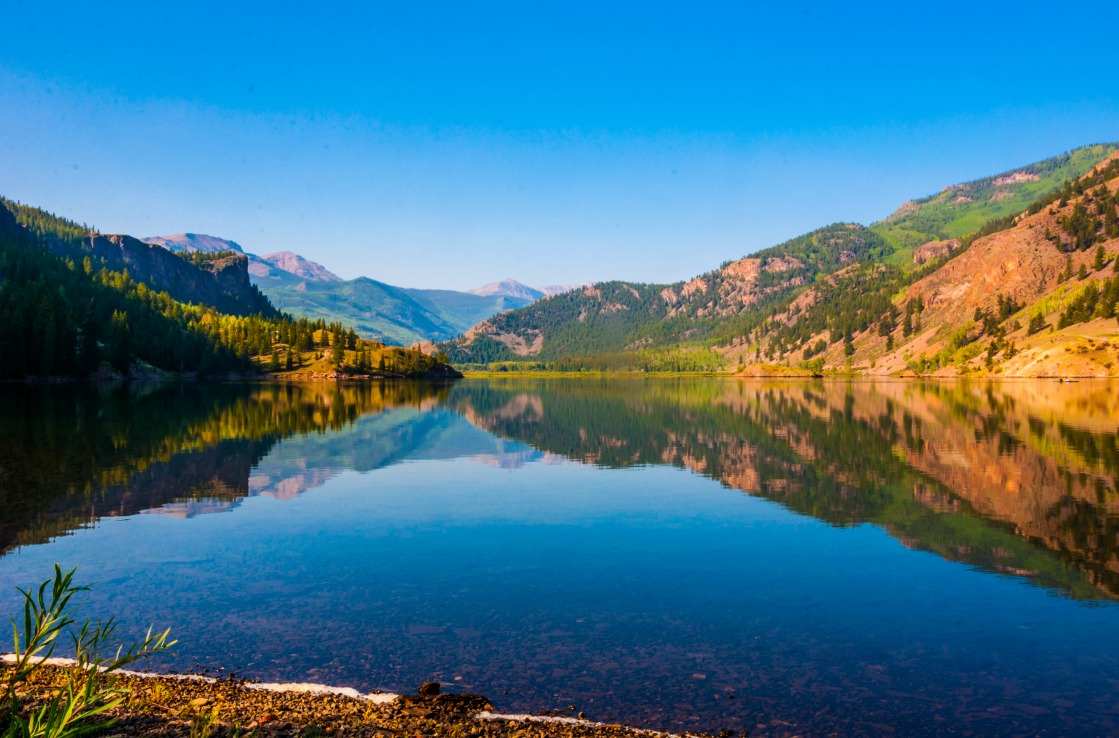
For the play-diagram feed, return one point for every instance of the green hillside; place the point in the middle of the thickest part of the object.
(461, 310)
(382, 312)
(666, 327)
(961, 209)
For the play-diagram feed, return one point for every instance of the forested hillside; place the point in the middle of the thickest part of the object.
(70, 306)
(807, 301)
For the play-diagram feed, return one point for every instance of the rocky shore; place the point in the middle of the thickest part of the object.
(203, 707)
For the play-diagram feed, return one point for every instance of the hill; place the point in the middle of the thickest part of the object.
(74, 302)
(616, 324)
(217, 278)
(961, 209)
(800, 301)
(1034, 297)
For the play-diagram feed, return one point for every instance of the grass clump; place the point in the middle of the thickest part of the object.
(90, 689)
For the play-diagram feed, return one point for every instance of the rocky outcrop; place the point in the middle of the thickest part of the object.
(222, 283)
(934, 250)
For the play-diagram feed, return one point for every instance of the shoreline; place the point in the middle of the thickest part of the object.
(189, 705)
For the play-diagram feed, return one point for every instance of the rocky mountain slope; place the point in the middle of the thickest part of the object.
(75, 303)
(1034, 297)
(220, 280)
(810, 299)
(293, 263)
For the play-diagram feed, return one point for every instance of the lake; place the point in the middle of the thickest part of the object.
(863, 558)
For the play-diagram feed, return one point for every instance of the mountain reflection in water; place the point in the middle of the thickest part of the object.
(538, 536)
(1034, 462)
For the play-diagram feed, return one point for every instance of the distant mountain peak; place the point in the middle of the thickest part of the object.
(509, 288)
(194, 242)
(559, 289)
(301, 266)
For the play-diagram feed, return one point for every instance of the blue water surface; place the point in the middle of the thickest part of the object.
(654, 594)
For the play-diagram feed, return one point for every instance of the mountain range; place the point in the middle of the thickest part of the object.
(377, 310)
(947, 284)
(76, 303)
(1014, 274)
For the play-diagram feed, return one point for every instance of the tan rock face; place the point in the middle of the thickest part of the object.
(934, 250)
(222, 283)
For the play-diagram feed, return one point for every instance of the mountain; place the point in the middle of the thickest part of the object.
(218, 277)
(508, 288)
(614, 324)
(190, 242)
(781, 304)
(259, 266)
(513, 288)
(460, 310)
(75, 302)
(961, 209)
(1035, 295)
(377, 310)
(293, 263)
(559, 289)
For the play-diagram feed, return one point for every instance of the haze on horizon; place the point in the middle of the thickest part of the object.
(451, 145)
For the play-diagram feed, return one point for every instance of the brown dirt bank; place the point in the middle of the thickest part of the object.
(199, 707)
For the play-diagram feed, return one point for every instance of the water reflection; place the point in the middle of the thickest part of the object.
(1017, 478)
(69, 456)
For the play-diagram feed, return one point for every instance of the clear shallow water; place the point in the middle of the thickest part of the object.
(930, 559)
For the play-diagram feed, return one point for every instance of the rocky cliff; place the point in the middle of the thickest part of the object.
(221, 282)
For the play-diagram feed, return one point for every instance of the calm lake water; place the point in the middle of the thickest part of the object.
(803, 557)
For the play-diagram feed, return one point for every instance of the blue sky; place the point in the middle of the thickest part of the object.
(448, 145)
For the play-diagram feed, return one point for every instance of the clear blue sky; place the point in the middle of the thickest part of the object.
(448, 145)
